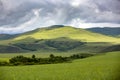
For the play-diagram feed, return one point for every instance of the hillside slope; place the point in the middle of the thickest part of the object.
(70, 32)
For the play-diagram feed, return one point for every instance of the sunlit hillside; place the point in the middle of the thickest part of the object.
(70, 32)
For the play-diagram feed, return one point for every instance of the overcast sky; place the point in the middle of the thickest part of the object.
(18, 16)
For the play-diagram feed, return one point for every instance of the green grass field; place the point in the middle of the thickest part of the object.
(4, 59)
(100, 67)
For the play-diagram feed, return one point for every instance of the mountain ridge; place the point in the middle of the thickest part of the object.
(109, 31)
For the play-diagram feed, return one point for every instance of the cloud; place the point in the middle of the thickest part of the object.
(24, 15)
(81, 24)
(23, 27)
(77, 3)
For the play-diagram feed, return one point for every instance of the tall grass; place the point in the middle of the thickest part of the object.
(102, 67)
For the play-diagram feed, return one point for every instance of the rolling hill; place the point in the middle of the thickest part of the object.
(69, 32)
(60, 39)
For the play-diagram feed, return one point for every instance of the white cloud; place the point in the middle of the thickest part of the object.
(82, 24)
(77, 3)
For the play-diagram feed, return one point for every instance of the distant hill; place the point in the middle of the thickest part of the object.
(106, 31)
(6, 36)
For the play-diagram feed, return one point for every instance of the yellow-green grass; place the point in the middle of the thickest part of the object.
(70, 32)
(102, 67)
(4, 59)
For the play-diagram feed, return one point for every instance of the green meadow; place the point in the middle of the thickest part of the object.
(99, 67)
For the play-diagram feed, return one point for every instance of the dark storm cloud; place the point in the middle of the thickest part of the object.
(31, 14)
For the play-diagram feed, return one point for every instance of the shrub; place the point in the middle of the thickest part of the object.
(4, 63)
(80, 56)
(33, 56)
(21, 60)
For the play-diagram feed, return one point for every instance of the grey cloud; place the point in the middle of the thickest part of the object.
(14, 13)
(108, 11)
(108, 5)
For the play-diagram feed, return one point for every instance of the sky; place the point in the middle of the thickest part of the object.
(18, 16)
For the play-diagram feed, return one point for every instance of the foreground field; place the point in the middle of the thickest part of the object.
(102, 67)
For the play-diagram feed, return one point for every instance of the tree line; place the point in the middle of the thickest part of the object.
(33, 60)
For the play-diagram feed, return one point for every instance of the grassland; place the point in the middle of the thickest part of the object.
(4, 59)
(101, 67)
